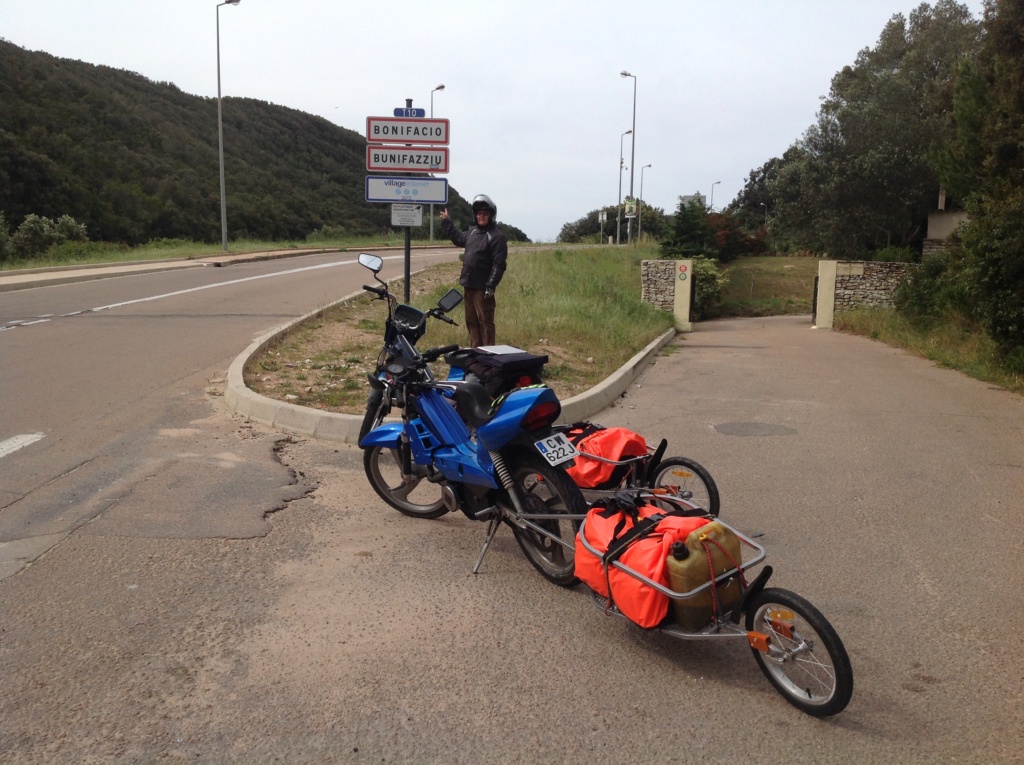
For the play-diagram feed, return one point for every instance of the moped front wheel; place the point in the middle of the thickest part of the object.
(546, 490)
(678, 474)
(804, 658)
(412, 495)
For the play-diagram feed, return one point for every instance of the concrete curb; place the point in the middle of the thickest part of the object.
(17, 280)
(344, 428)
(601, 396)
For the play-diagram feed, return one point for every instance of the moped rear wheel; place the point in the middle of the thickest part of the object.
(412, 495)
(805, 659)
(683, 474)
(546, 490)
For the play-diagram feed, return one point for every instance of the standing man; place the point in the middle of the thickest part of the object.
(483, 265)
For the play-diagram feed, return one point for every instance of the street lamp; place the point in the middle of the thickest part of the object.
(640, 207)
(439, 87)
(618, 217)
(765, 215)
(220, 138)
(713, 195)
(632, 158)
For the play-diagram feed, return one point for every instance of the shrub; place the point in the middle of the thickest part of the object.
(943, 285)
(6, 248)
(34, 236)
(995, 237)
(711, 280)
(69, 230)
(37, 234)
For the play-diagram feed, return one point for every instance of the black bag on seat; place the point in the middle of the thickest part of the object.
(500, 372)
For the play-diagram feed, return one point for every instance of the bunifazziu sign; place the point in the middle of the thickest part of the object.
(432, 132)
(408, 159)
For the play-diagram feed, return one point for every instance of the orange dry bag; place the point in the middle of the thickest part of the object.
(639, 538)
(616, 444)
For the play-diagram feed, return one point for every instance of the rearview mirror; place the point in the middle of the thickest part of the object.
(449, 300)
(374, 262)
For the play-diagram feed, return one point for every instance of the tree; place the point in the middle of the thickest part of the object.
(136, 160)
(512, 233)
(6, 248)
(588, 228)
(863, 176)
(689, 234)
(748, 206)
(994, 237)
(729, 240)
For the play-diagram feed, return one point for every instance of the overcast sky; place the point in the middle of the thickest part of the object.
(532, 87)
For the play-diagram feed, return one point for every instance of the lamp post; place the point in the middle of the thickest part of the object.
(439, 87)
(640, 207)
(220, 138)
(713, 195)
(765, 215)
(632, 157)
(618, 215)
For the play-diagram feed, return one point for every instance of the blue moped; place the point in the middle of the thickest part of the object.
(456, 448)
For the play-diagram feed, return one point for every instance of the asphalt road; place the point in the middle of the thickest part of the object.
(887, 491)
(105, 380)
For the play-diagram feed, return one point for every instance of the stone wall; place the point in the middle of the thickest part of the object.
(658, 283)
(865, 283)
(857, 283)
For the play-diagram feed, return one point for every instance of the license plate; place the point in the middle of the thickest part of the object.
(556, 448)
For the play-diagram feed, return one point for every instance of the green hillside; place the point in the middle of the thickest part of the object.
(136, 160)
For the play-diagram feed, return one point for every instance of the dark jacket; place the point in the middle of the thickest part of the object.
(486, 252)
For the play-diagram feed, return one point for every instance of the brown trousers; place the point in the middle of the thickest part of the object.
(479, 318)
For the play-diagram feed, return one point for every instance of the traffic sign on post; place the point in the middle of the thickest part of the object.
(408, 159)
(383, 188)
(433, 132)
(406, 215)
(409, 128)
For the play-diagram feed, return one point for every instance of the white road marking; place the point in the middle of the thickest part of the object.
(40, 320)
(227, 283)
(18, 442)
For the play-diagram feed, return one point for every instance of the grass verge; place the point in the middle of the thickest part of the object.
(955, 343)
(581, 308)
(768, 286)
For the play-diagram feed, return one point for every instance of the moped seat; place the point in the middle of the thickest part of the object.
(474, 403)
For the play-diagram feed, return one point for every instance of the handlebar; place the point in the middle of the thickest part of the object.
(432, 354)
(378, 291)
(437, 313)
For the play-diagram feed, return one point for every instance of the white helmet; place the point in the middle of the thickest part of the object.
(484, 202)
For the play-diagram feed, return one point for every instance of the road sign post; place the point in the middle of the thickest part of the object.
(423, 149)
